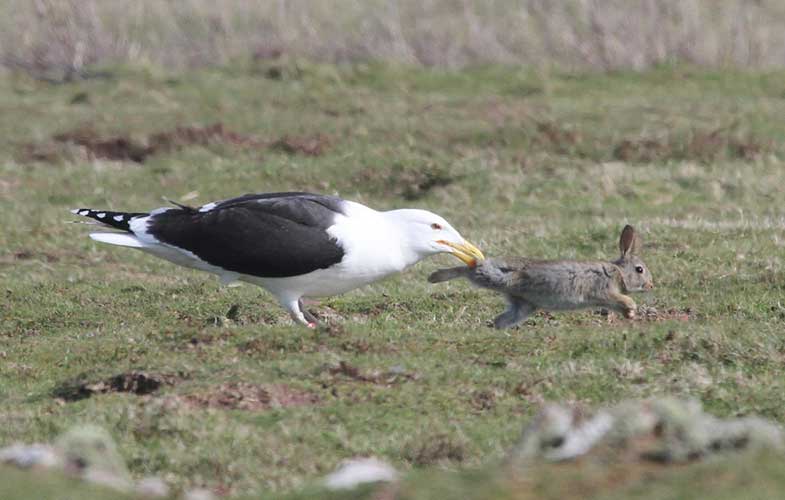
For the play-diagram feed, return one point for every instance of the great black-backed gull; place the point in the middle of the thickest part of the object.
(295, 244)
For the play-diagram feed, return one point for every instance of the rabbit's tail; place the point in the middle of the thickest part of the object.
(449, 274)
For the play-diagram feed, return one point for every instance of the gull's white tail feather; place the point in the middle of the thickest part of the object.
(124, 240)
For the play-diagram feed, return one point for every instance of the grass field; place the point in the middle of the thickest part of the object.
(538, 164)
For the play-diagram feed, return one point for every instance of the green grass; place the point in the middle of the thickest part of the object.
(521, 163)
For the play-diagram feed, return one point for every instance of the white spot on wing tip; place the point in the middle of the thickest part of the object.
(75, 211)
(207, 207)
(100, 215)
(118, 218)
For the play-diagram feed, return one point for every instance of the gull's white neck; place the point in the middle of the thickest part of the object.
(377, 243)
(409, 248)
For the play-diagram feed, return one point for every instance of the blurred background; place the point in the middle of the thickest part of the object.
(57, 38)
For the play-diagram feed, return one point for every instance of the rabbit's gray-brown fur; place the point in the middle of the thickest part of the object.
(532, 284)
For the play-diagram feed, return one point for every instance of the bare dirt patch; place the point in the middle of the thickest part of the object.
(134, 382)
(578, 140)
(641, 150)
(26, 254)
(255, 347)
(201, 339)
(250, 397)
(695, 145)
(650, 313)
(315, 145)
(358, 346)
(410, 182)
(216, 133)
(647, 313)
(556, 137)
(87, 142)
(435, 449)
(119, 148)
(395, 375)
(483, 400)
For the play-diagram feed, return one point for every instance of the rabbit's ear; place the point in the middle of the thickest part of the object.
(628, 243)
(636, 244)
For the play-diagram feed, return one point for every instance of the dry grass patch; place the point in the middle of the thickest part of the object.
(250, 397)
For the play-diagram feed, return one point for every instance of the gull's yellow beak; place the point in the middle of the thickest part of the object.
(465, 251)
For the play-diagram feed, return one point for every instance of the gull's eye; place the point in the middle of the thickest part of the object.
(639, 269)
(436, 226)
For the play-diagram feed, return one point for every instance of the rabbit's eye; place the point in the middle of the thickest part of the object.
(436, 226)
(639, 269)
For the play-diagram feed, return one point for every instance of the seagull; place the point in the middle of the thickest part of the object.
(295, 245)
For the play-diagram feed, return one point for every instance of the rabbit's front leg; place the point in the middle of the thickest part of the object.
(623, 304)
(517, 311)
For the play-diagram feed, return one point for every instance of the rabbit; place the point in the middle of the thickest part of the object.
(530, 284)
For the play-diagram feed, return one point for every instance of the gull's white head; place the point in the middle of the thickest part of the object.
(428, 234)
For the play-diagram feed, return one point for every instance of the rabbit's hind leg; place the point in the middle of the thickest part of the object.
(517, 311)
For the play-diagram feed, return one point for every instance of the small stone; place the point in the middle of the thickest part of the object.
(352, 473)
(26, 456)
(198, 494)
(152, 487)
(667, 430)
(397, 370)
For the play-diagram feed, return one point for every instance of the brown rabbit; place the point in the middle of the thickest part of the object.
(559, 284)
